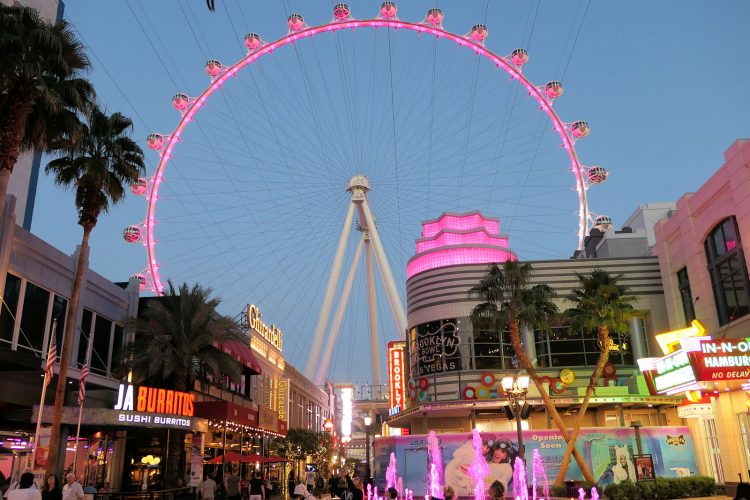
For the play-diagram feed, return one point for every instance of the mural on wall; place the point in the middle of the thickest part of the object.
(608, 451)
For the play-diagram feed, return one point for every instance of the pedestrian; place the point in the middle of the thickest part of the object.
(257, 490)
(310, 479)
(104, 488)
(208, 488)
(52, 490)
(449, 493)
(232, 484)
(357, 493)
(72, 489)
(26, 489)
(392, 494)
(497, 490)
(90, 489)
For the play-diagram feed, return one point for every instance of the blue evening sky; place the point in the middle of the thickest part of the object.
(663, 85)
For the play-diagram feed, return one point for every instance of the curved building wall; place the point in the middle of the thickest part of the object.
(451, 356)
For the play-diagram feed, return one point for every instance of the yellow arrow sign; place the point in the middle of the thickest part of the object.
(670, 341)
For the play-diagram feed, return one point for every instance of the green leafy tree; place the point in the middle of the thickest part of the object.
(96, 164)
(175, 338)
(508, 301)
(603, 305)
(41, 89)
(302, 443)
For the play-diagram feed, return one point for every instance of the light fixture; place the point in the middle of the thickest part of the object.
(507, 383)
(368, 420)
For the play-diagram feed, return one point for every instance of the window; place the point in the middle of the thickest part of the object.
(726, 266)
(686, 296)
(714, 454)
(100, 352)
(745, 437)
(9, 305)
(118, 350)
(83, 343)
(59, 308)
(33, 318)
(563, 347)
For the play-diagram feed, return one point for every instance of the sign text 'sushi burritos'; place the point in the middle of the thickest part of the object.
(149, 405)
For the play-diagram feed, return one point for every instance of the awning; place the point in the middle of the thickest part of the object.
(241, 353)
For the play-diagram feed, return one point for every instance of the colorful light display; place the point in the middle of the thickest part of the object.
(347, 401)
(455, 239)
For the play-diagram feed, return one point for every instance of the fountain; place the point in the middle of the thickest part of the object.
(538, 474)
(435, 476)
(369, 492)
(581, 494)
(478, 470)
(594, 493)
(391, 473)
(520, 486)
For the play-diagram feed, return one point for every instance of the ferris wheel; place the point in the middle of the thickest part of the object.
(249, 191)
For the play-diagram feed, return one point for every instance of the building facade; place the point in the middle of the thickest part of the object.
(705, 274)
(454, 369)
(308, 405)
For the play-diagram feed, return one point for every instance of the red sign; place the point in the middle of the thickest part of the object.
(396, 373)
(718, 360)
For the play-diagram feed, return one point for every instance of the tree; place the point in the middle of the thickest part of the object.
(302, 443)
(603, 305)
(508, 302)
(175, 337)
(96, 164)
(41, 89)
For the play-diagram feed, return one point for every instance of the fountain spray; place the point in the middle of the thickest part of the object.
(581, 494)
(594, 493)
(520, 486)
(478, 470)
(391, 473)
(538, 475)
(435, 476)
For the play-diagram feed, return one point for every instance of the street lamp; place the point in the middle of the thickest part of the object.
(368, 421)
(516, 389)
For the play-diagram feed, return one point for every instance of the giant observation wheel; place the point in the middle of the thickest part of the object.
(199, 209)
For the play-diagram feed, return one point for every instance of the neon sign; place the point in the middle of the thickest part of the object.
(282, 398)
(149, 405)
(270, 333)
(396, 370)
(347, 398)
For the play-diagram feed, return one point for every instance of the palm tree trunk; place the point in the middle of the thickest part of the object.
(603, 358)
(11, 134)
(54, 442)
(515, 340)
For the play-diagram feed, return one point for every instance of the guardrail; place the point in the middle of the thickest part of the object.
(187, 493)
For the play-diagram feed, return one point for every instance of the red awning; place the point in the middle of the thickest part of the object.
(241, 353)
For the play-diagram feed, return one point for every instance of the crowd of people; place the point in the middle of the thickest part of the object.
(26, 488)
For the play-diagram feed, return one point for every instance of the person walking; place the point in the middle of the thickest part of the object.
(310, 480)
(72, 489)
(26, 489)
(52, 490)
(357, 493)
(232, 484)
(257, 490)
(208, 488)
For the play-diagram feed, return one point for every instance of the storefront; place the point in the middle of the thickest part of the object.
(705, 275)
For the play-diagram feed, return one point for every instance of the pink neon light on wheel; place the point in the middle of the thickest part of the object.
(512, 64)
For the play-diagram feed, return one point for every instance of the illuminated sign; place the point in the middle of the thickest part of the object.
(727, 359)
(270, 333)
(396, 373)
(347, 399)
(673, 373)
(149, 405)
(282, 398)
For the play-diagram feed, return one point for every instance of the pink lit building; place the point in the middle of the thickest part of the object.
(705, 276)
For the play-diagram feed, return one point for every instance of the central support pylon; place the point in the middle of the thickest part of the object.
(317, 365)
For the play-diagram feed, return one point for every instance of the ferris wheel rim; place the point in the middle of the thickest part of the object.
(502, 62)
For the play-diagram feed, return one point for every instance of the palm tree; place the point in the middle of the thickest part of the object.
(174, 337)
(96, 165)
(508, 302)
(41, 91)
(601, 304)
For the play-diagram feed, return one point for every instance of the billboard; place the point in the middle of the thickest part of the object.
(609, 453)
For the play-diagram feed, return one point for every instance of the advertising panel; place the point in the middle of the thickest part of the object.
(609, 452)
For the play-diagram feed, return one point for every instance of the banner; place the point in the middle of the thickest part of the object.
(608, 451)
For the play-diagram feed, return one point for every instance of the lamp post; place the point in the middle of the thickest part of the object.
(516, 389)
(368, 421)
